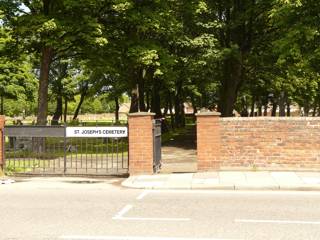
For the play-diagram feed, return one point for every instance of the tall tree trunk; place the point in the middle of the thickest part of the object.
(265, 110)
(282, 106)
(82, 97)
(116, 100)
(183, 115)
(65, 110)
(148, 100)
(259, 109)
(57, 114)
(252, 106)
(288, 110)
(229, 87)
(134, 106)
(165, 111)
(306, 109)
(46, 59)
(155, 101)
(193, 102)
(274, 108)
(170, 110)
(177, 104)
(2, 105)
(314, 111)
(142, 106)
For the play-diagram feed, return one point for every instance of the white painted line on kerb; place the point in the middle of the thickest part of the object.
(276, 221)
(136, 238)
(142, 195)
(122, 212)
(152, 219)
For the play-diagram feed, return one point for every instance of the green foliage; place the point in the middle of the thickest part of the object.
(215, 54)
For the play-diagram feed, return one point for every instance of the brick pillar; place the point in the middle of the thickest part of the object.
(1, 142)
(208, 141)
(141, 143)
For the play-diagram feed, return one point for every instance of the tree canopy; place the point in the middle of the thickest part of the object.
(252, 56)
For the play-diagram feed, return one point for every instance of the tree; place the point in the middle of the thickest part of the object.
(17, 81)
(50, 29)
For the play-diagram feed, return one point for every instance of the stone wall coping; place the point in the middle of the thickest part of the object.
(140, 114)
(203, 114)
(235, 119)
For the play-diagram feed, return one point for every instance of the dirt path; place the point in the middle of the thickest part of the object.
(179, 154)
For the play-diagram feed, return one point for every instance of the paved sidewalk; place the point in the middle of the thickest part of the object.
(228, 180)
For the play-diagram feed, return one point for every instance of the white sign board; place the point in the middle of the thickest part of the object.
(91, 132)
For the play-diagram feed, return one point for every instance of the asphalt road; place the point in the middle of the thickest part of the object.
(47, 209)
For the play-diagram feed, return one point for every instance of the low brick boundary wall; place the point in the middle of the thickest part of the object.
(262, 143)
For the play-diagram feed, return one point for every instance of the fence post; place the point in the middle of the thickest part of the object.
(141, 143)
(208, 141)
(2, 120)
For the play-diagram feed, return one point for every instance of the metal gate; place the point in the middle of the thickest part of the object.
(49, 150)
(156, 146)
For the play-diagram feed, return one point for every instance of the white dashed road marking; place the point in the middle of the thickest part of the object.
(142, 195)
(152, 219)
(123, 211)
(276, 221)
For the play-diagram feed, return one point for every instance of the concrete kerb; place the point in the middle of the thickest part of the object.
(190, 182)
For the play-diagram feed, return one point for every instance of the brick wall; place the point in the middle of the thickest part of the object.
(267, 143)
(140, 143)
(1, 141)
(208, 141)
(273, 143)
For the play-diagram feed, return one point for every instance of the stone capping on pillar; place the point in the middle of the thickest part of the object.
(140, 142)
(139, 114)
(208, 141)
(206, 113)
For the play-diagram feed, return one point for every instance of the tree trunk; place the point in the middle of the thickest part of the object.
(314, 111)
(65, 110)
(57, 114)
(155, 101)
(274, 108)
(134, 106)
(171, 112)
(282, 106)
(259, 110)
(148, 100)
(46, 59)
(142, 106)
(183, 115)
(82, 97)
(165, 111)
(177, 105)
(229, 87)
(288, 110)
(2, 105)
(252, 106)
(265, 110)
(116, 100)
(193, 102)
(306, 109)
